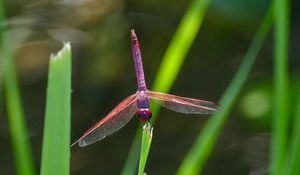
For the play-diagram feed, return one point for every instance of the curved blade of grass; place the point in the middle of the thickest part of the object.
(145, 147)
(180, 45)
(56, 141)
(131, 162)
(281, 111)
(171, 64)
(201, 149)
(292, 164)
(17, 125)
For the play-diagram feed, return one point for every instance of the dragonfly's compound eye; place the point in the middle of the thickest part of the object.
(144, 114)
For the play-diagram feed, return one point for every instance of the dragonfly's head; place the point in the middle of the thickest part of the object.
(144, 114)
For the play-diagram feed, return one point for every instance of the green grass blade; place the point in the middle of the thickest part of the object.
(146, 143)
(292, 165)
(200, 151)
(172, 61)
(281, 111)
(131, 162)
(56, 141)
(17, 125)
(180, 45)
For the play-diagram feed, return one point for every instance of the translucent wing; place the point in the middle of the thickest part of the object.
(114, 121)
(183, 104)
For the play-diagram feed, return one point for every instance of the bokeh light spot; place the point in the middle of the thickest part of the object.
(256, 104)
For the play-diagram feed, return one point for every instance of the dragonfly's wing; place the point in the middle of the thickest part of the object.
(114, 121)
(183, 104)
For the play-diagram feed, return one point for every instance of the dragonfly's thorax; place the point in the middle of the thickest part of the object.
(143, 113)
(142, 100)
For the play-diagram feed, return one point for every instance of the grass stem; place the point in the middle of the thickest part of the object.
(146, 143)
(281, 111)
(197, 156)
(56, 140)
(17, 124)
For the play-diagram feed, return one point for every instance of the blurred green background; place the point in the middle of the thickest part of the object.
(103, 74)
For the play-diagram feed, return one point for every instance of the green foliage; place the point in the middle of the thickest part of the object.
(198, 155)
(179, 46)
(131, 162)
(17, 127)
(281, 101)
(292, 163)
(145, 147)
(56, 140)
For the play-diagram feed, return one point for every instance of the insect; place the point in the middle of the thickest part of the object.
(138, 104)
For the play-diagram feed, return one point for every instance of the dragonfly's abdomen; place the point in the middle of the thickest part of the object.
(144, 114)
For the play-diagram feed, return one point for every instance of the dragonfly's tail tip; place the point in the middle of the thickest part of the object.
(132, 32)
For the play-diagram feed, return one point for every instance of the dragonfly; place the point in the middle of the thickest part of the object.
(139, 104)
